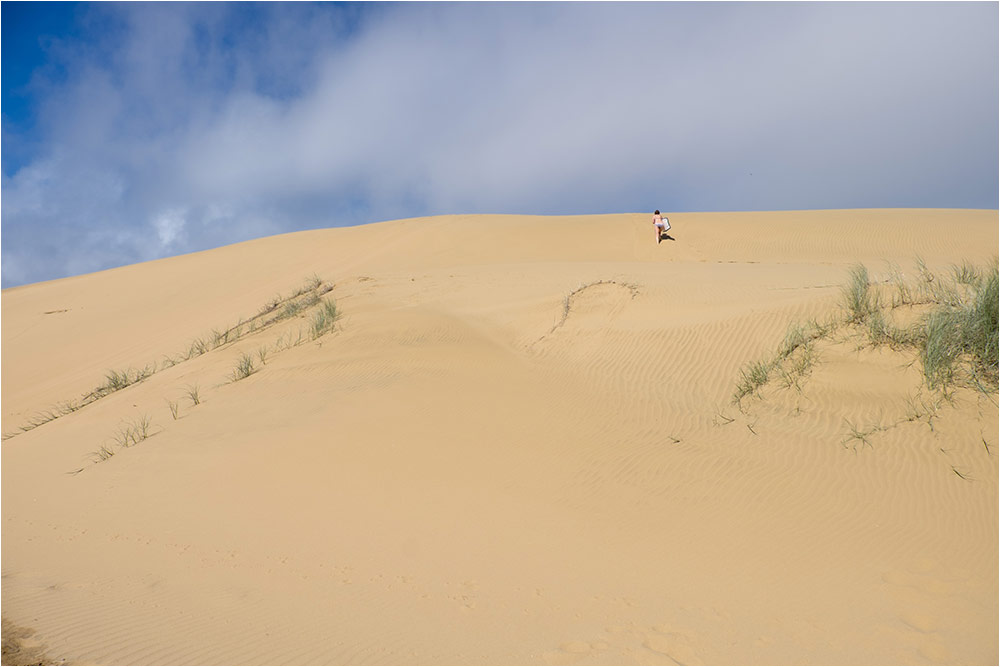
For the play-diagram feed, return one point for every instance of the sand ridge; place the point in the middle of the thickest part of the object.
(518, 446)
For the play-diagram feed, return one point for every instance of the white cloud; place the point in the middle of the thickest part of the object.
(214, 133)
(169, 226)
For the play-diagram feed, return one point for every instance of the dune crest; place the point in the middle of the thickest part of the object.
(509, 439)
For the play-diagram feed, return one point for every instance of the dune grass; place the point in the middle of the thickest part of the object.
(955, 338)
(114, 380)
(948, 323)
(274, 311)
(753, 376)
(244, 368)
(954, 334)
(44, 417)
(958, 343)
(103, 453)
(134, 432)
(278, 309)
(792, 361)
(857, 295)
(128, 435)
(324, 318)
(860, 437)
(118, 380)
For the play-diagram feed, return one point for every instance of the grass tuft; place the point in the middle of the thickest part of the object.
(955, 336)
(133, 433)
(307, 296)
(753, 376)
(198, 347)
(103, 453)
(858, 299)
(855, 435)
(324, 318)
(966, 274)
(292, 308)
(118, 380)
(244, 367)
(959, 341)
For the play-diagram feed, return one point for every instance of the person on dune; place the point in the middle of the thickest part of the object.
(660, 224)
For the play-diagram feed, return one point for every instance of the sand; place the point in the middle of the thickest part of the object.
(518, 446)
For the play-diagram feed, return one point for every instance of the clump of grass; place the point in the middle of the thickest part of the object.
(932, 289)
(193, 394)
(955, 337)
(174, 409)
(118, 380)
(879, 330)
(753, 376)
(292, 308)
(904, 293)
(103, 453)
(795, 338)
(133, 433)
(856, 435)
(312, 283)
(981, 333)
(797, 365)
(141, 427)
(793, 360)
(956, 340)
(959, 338)
(941, 347)
(966, 274)
(954, 334)
(115, 380)
(45, 416)
(230, 335)
(309, 300)
(919, 408)
(262, 354)
(244, 367)
(324, 318)
(276, 309)
(127, 436)
(198, 347)
(858, 299)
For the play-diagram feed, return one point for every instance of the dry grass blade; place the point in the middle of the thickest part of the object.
(244, 368)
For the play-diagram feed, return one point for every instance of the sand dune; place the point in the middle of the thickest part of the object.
(517, 446)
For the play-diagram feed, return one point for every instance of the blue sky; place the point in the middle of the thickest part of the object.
(135, 131)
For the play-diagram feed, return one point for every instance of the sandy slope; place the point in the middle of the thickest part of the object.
(517, 447)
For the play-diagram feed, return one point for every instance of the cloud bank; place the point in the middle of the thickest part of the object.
(176, 127)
